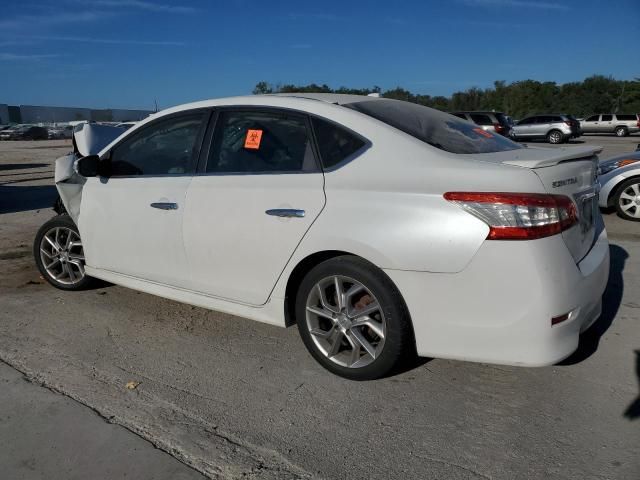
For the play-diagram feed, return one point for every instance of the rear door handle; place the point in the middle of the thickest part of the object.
(285, 212)
(165, 205)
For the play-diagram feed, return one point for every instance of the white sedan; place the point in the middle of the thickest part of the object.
(381, 228)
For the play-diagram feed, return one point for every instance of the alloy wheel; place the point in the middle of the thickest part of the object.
(629, 200)
(555, 137)
(346, 321)
(62, 255)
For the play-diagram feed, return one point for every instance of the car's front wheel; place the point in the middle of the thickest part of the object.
(627, 200)
(353, 319)
(59, 255)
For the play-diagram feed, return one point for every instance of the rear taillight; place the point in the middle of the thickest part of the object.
(499, 128)
(518, 216)
(638, 123)
(568, 122)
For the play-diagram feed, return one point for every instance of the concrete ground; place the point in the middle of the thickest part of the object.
(234, 398)
(44, 435)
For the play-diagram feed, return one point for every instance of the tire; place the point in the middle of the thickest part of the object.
(621, 132)
(62, 256)
(555, 137)
(343, 347)
(627, 200)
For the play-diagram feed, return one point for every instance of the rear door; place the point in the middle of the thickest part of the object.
(606, 124)
(258, 190)
(131, 222)
(543, 125)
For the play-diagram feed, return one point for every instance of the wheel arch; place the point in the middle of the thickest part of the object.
(614, 191)
(297, 274)
(551, 130)
(303, 267)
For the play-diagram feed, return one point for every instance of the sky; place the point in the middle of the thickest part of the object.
(133, 53)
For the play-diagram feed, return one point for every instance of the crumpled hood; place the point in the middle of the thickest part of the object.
(90, 138)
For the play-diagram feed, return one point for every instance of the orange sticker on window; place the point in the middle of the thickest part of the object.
(482, 132)
(253, 139)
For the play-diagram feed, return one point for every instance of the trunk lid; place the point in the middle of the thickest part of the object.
(570, 171)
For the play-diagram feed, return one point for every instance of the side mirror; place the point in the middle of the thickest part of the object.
(89, 166)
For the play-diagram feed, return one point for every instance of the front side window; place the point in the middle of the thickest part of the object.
(481, 119)
(335, 143)
(260, 142)
(433, 127)
(593, 118)
(163, 148)
(607, 118)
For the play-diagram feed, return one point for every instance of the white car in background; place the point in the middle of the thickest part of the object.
(382, 228)
(620, 185)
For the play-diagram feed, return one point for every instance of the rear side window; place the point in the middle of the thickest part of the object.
(436, 128)
(163, 148)
(626, 118)
(335, 143)
(481, 119)
(260, 142)
(607, 118)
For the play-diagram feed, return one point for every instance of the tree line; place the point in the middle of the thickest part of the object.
(595, 94)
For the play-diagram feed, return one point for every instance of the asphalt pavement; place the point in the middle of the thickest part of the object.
(232, 398)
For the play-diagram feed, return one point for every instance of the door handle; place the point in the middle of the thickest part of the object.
(165, 205)
(285, 212)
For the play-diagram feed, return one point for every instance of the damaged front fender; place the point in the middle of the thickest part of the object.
(69, 185)
(88, 139)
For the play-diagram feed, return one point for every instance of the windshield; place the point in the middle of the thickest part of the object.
(436, 128)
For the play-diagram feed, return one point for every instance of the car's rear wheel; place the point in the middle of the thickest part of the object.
(621, 132)
(627, 200)
(59, 254)
(555, 137)
(353, 320)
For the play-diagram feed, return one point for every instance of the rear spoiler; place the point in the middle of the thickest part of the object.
(536, 157)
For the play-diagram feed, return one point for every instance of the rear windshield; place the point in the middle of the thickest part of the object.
(436, 128)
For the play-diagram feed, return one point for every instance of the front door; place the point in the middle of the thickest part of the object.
(591, 124)
(131, 221)
(525, 128)
(258, 193)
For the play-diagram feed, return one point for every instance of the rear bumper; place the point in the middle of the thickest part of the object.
(499, 309)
